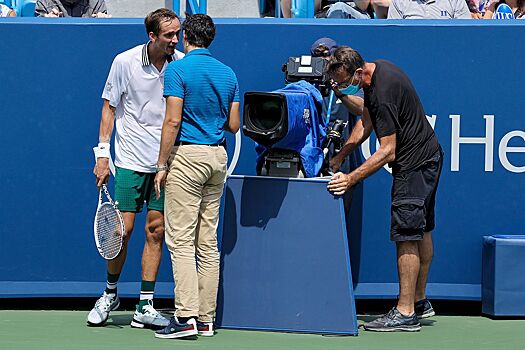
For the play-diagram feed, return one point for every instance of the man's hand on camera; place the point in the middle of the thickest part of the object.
(335, 162)
(335, 87)
(340, 183)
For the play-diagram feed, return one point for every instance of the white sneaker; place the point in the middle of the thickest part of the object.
(149, 318)
(100, 312)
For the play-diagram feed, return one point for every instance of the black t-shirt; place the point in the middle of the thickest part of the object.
(395, 107)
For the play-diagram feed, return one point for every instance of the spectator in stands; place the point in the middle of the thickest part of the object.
(359, 9)
(428, 9)
(517, 7)
(71, 8)
(6, 11)
(380, 8)
(475, 9)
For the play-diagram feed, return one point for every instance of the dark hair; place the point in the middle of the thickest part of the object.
(345, 58)
(154, 19)
(199, 30)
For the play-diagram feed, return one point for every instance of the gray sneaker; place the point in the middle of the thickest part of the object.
(149, 318)
(394, 321)
(100, 312)
(424, 309)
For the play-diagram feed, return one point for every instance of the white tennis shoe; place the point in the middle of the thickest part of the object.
(149, 318)
(100, 312)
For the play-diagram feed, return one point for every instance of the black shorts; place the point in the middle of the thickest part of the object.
(414, 199)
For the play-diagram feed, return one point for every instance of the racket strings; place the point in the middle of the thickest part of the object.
(109, 231)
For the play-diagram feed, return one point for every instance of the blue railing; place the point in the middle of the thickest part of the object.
(192, 6)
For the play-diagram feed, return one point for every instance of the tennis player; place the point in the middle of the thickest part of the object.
(133, 100)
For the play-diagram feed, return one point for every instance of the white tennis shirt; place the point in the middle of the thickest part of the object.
(135, 88)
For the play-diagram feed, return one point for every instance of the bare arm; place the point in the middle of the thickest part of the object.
(234, 118)
(170, 130)
(381, 7)
(360, 133)
(107, 122)
(362, 4)
(286, 6)
(354, 104)
(385, 154)
(489, 12)
(340, 182)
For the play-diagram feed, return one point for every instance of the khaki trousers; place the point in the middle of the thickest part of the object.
(194, 188)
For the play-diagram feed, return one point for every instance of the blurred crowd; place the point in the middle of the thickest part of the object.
(411, 9)
(355, 9)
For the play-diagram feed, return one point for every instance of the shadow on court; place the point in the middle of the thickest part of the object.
(426, 323)
(119, 320)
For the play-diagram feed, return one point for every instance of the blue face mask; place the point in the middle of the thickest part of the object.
(350, 90)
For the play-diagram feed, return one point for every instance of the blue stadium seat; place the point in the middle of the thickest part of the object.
(192, 6)
(26, 8)
(303, 8)
(299, 8)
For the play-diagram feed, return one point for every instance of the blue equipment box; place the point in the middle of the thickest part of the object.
(503, 275)
(285, 258)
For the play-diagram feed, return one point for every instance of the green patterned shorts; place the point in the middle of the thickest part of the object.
(133, 188)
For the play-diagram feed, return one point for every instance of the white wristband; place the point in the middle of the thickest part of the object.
(102, 150)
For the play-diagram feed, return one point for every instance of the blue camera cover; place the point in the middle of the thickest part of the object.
(306, 127)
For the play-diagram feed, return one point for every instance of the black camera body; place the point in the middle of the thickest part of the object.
(334, 139)
(311, 69)
(276, 119)
(334, 134)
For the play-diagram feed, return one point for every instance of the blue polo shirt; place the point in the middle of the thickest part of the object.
(207, 87)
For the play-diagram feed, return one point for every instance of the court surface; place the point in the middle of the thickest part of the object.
(58, 330)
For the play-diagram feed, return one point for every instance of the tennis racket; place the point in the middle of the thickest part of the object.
(108, 226)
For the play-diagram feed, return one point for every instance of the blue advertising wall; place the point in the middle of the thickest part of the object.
(468, 74)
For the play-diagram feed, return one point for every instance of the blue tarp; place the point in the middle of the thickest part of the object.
(306, 127)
